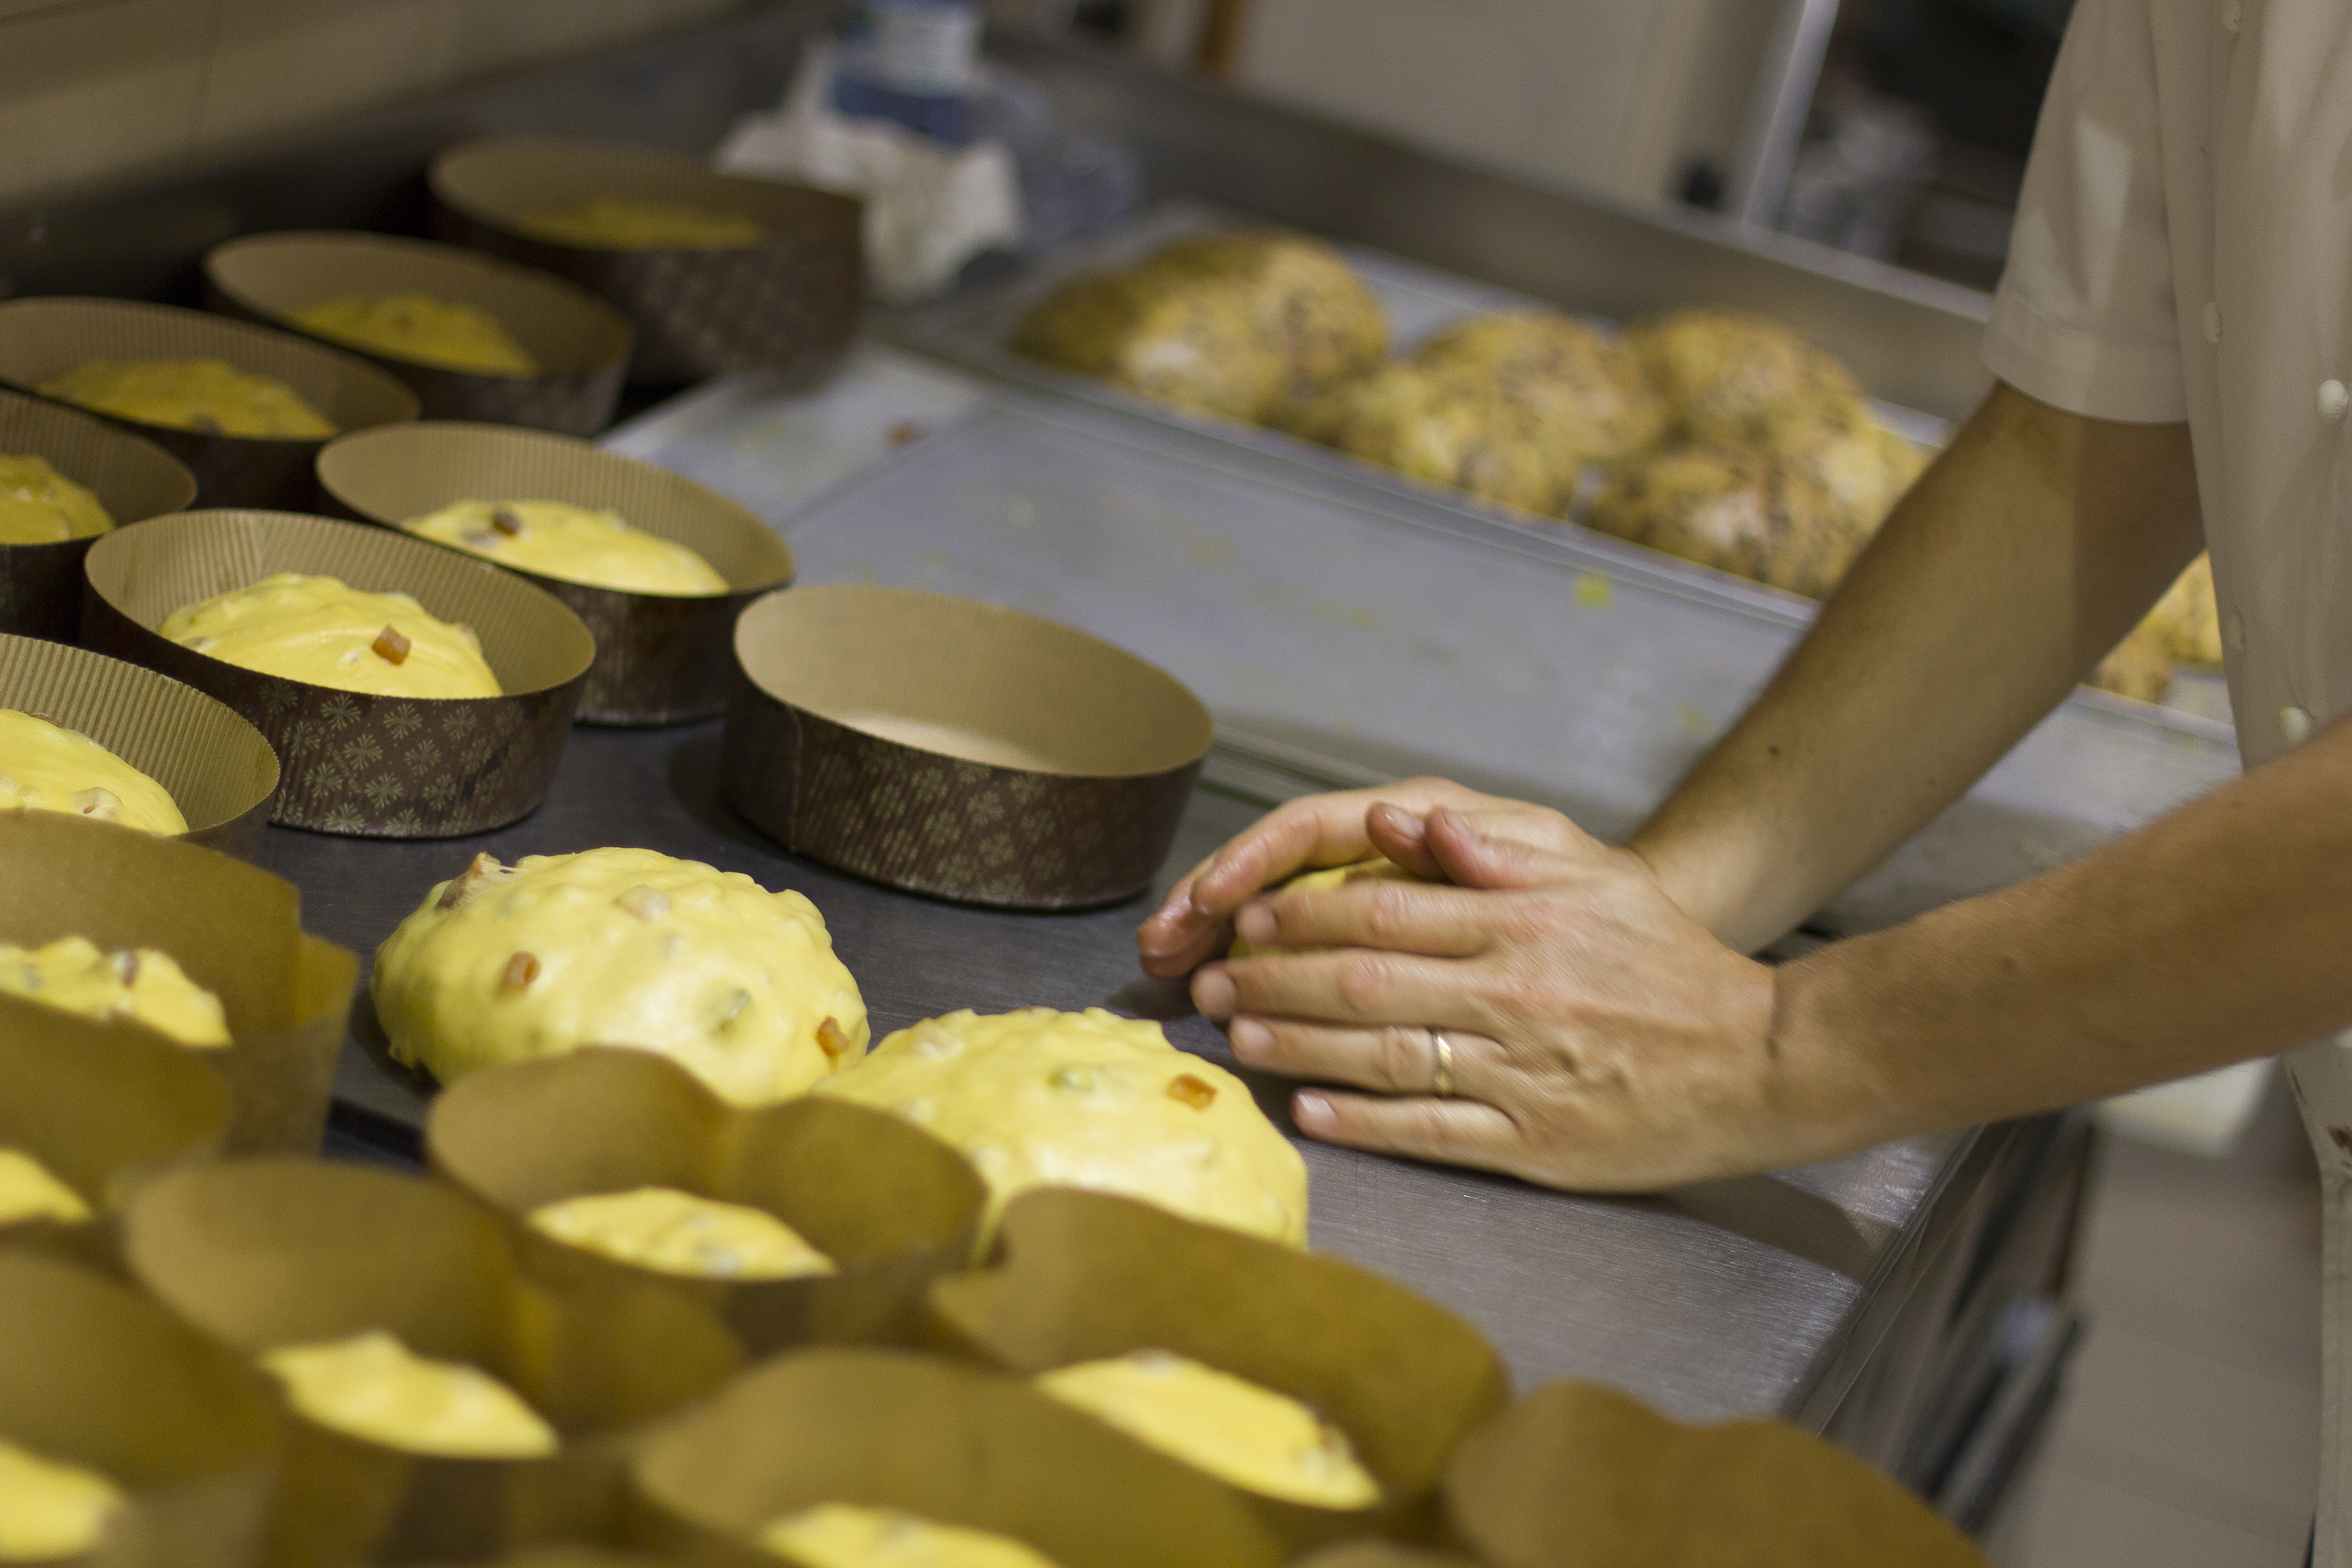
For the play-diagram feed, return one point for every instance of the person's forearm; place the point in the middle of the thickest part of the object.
(2216, 934)
(2034, 542)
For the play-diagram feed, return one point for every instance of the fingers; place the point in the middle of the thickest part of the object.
(1399, 833)
(1484, 853)
(1398, 917)
(1458, 1131)
(1351, 986)
(1397, 1058)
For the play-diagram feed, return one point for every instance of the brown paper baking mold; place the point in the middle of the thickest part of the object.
(237, 930)
(580, 343)
(266, 1253)
(660, 658)
(95, 1374)
(42, 338)
(789, 305)
(894, 1207)
(954, 1444)
(41, 585)
(1085, 1275)
(814, 665)
(384, 767)
(1578, 1473)
(218, 769)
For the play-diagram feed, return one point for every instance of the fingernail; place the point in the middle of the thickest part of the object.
(1255, 923)
(1400, 820)
(1311, 1111)
(1248, 1037)
(1212, 992)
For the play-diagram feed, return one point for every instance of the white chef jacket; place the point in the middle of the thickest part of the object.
(2183, 250)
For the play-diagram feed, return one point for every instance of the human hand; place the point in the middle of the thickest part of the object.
(1601, 1039)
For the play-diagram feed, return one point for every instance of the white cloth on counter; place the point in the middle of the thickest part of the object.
(929, 208)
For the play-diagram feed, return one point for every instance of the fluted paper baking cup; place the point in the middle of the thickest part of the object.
(217, 769)
(892, 1207)
(788, 305)
(1084, 1275)
(270, 1253)
(958, 748)
(41, 585)
(581, 344)
(381, 767)
(660, 658)
(954, 1444)
(42, 338)
(236, 929)
(1579, 1473)
(94, 1375)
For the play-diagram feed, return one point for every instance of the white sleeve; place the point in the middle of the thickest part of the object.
(2085, 317)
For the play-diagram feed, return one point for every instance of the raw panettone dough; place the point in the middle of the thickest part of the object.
(1446, 429)
(1090, 1100)
(682, 1233)
(1300, 296)
(2190, 619)
(39, 505)
(447, 334)
(323, 632)
(576, 543)
(1719, 368)
(47, 767)
(142, 985)
(1196, 347)
(201, 394)
(1587, 392)
(620, 947)
(1378, 868)
(29, 1192)
(48, 1508)
(372, 1387)
(1732, 507)
(622, 223)
(842, 1535)
(1249, 1436)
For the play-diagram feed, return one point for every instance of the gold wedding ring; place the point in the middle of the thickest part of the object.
(1440, 1071)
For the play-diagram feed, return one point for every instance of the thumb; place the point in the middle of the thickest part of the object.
(1469, 858)
(1404, 837)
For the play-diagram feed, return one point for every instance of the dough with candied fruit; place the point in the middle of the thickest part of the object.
(447, 334)
(577, 543)
(45, 766)
(845, 1535)
(1589, 393)
(622, 223)
(372, 1387)
(49, 1509)
(620, 947)
(1197, 348)
(1245, 1436)
(144, 984)
(28, 1190)
(1300, 295)
(39, 505)
(1734, 508)
(1090, 1100)
(201, 394)
(1446, 429)
(324, 632)
(674, 1232)
(1716, 368)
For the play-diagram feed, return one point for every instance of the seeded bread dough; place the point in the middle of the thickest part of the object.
(1716, 369)
(372, 1387)
(47, 767)
(573, 543)
(1195, 347)
(842, 1535)
(620, 223)
(142, 985)
(1378, 868)
(620, 947)
(323, 631)
(29, 1192)
(682, 1233)
(1248, 1437)
(201, 394)
(39, 505)
(1088, 1100)
(447, 334)
(48, 1508)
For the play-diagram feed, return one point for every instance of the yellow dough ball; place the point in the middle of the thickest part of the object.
(2139, 667)
(39, 505)
(448, 333)
(1090, 1100)
(28, 1192)
(1380, 869)
(199, 394)
(2189, 619)
(576, 543)
(142, 985)
(47, 767)
(620, 223)
(682, 1233)
(48, 1508)
(1718, 367)
(840, 1535)
(620, 947)
(1249, 1436)
(372, 1387)
(1303, 300)
(1193, 346)
(1442, 428)
(321, 631)
(1589, 393)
